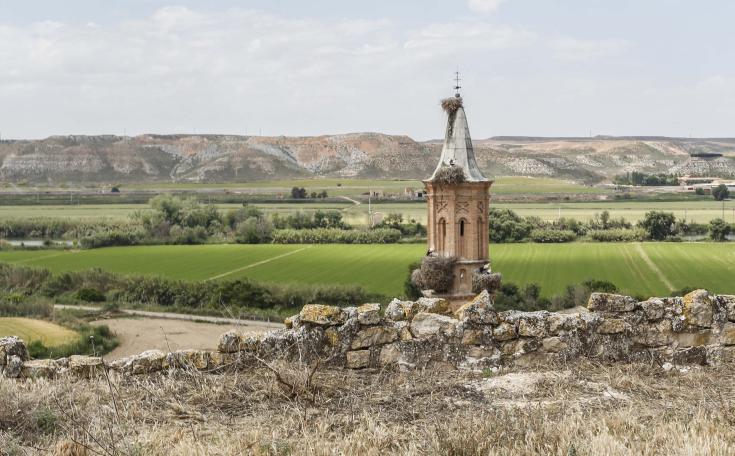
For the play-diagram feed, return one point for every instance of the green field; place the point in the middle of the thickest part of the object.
(645, 269)
(694, 211)
(29, 330)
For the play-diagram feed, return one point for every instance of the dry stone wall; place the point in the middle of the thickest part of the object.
(425, 334)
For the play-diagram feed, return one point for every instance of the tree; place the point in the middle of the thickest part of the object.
(323, 194)
(254, 230)
(658, 225)
(720, 192)
(313, 195)
(298, 193)
(719, 230)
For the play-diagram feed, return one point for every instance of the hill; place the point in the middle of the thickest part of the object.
(227, 158)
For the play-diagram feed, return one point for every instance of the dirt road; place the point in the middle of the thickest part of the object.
(137, 335)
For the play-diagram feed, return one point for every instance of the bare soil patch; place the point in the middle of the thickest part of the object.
(137, 335)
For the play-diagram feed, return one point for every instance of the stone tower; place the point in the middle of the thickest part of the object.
(458, 199)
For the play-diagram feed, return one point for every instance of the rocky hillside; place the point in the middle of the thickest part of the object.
(208, 158)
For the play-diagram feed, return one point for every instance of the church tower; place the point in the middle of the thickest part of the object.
(458, 200)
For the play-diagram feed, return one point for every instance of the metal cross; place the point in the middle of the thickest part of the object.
(457, 79)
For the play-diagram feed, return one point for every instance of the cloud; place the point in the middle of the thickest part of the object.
(484, 6)
(576, 49)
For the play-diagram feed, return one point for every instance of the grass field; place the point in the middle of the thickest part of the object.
(29, 330)
(645, 269)
(697, 211)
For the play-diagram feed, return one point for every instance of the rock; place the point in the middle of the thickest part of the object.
(428, 324)
(472, 337)
(187, 359)
(727, 335)
(288, 322)
(233, 342)
(728, 303)
(398, 310)
(433, 305)
(553, 344)
(652, 337)
(693, 339)
(504, 331)
(607, 302)
(533, 325)
(374, 335)
(144, 363)
(85, 366)
(390, 354)
(519, 347)
(653, 309)
(334, 338)
(358, 359)
(699, 308)
(404, 331)
(218, 359)
(40, 368)
(368, 314)
(13, 366)
(693, 355)
(479, 311)
(229, 342)
(612, 326)
(319, 314)
(12, 346)
(564, 322)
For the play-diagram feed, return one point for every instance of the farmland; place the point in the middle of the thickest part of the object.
(644, 269)
(29, 330)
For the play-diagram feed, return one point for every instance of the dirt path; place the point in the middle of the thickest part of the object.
(277, 257)
(137, 335)
(652, 265)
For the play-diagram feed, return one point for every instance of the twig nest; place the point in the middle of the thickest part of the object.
(449, 175)
(451, 105)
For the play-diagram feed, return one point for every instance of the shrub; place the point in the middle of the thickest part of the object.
(18, 305)
(409, 286)
(336, 236)
(618, 235)
(90, 295)
(719, 230)
(721, 192)
(658, 225)
(507, 226)
(254, 230)
(22, 278)
(436, 273)
(552, 236)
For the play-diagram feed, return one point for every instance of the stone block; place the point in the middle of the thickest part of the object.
(389, 354)
(368, 314)
(613, 326)
(428, 324)
(532, 326)
(398, 310)
(553, 344)
(472, 337)
(479, 311)
(85, 366)
(653, 309)
(727, 335)
(186, 359)
(607, 302)
(358, 359)
(694, 339)
(374, 335)
(12, 346)
(319, 314)
(39, 368)
(504, 331)
(699, 308)
(433, 305)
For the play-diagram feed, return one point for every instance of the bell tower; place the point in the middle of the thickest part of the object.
(458, 201)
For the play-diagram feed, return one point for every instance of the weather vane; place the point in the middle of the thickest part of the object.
(456, 82)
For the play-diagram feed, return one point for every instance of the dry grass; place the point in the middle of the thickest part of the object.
(560, 410)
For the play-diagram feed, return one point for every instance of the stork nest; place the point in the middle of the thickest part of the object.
(449, 175)
(489, 281)
(436, 273)
(451, 105)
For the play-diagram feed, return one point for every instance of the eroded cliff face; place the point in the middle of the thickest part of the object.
(203, 158)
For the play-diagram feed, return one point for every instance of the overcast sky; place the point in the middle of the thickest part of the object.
(297, 67)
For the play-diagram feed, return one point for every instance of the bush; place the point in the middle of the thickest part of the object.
(112, 238)
(552, 236)
(719, 230)
(507, 226)
(409, 286)
(618, 235)
(18, 305)
(721, 192)
(90, 295)
(336, 236)
(254, 230)
(658, 225)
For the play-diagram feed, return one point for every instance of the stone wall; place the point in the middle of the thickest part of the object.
(697, 328)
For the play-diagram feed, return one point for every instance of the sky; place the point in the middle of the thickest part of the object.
(304, 68)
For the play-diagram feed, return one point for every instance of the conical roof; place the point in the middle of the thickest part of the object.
(457, 150)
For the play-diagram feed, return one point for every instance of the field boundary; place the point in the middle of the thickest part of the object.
(644, 256)
(249, 266)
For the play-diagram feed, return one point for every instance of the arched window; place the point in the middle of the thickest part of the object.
(480, 240)
(441, 235)
(461, 239)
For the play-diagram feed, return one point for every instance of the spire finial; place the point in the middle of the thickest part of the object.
(456, 83)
